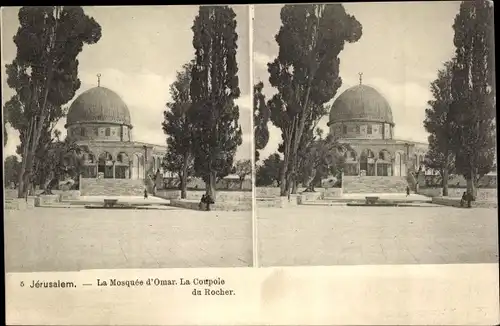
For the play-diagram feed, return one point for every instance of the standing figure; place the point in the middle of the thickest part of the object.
(145, 193)
(407, 191)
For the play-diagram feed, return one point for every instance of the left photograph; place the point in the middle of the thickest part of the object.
(127, 137)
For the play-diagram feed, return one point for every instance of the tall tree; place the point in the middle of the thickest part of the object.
(473, 86)
(439, 125)
(243, 168)
(306, 71)
(269, 172)
(261, 118)
(178, 126)
(12, 167)
(44, 73)
(214, 89)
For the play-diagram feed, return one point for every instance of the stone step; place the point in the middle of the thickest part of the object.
(374, 184)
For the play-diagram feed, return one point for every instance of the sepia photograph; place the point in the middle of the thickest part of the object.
(375, 133)
(127, 137)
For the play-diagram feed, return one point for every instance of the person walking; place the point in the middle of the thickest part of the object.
(407, 191)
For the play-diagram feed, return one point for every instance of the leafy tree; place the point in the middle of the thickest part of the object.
(473, 92)
(64, 163)
(44, 74)
(306, 71)
(269, 173)
(323, 157)
(439, 124)
(178, 126)
(261, 118)
(214, 89)
(12, 166)
(242, 168)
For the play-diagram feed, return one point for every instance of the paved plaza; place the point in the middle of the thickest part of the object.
(342, 235)
(62, 239)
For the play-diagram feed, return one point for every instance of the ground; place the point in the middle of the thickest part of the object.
(71, 239)
(342, 235)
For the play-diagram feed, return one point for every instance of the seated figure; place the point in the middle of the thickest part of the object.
(205, 202)
(466, 197)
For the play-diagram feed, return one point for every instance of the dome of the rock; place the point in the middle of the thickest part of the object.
(98, 104)
(361, 103)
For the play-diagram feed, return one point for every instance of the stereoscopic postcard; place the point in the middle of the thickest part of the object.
(308, 164)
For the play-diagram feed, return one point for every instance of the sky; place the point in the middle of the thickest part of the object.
(138, 55)
(402, 47)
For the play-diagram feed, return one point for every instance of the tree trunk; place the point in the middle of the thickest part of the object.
(241, 183)
(183, 185)
(210, 187)
(445, 179)
(471, 185)
(284, 189)
(184, 176)
(294, 186)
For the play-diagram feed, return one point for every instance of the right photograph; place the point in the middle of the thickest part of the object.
(375, 133)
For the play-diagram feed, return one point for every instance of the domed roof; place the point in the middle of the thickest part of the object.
(98, 104)
(362, 103)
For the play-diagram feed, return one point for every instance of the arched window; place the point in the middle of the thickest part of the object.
(384, 155)
(350, 154)
(108, 131)
(358, 129)
(122, 158)
(369, 130)
(90, 158)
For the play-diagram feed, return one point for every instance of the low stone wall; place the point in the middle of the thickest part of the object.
(69, 195)
(333, 192)
(20, 203)
(224, 184)
(455, 202)
(482, 193)
(42, 200)
(268, 202)
(456, 181)
(220, 206)
(221, 196)
(279, 202)
(267, 192)
(310, 196)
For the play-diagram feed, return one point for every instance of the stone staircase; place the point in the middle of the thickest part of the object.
(111, 187)
(373, 184)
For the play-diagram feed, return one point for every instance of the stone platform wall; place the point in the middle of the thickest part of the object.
(197, 183)
(220, 206)
(482, 193)
(221, 196)
(268, 192)
(455, 202)
(456, 181)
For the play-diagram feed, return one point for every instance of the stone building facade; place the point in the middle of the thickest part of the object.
(362, 118)
(99, 120)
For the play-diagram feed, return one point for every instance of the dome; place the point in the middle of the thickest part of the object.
(361, 103)
(98, 104)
